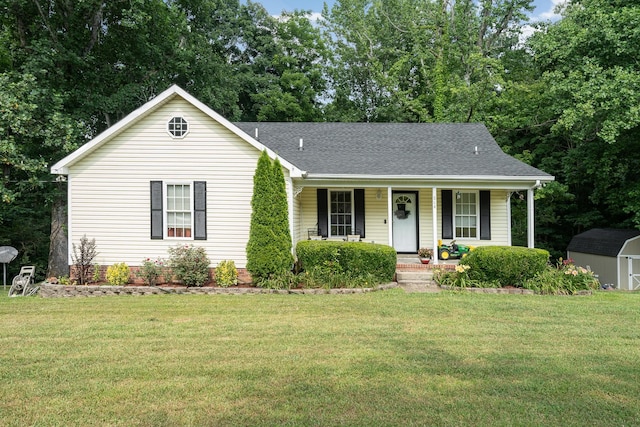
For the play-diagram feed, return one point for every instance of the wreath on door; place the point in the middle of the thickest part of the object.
(401, 203)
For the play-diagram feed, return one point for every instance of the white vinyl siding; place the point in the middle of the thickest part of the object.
(499, 227)
(109, 189)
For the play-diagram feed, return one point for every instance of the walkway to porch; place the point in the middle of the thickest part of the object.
(413, 276)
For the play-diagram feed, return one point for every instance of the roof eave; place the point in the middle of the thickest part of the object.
(451, 178)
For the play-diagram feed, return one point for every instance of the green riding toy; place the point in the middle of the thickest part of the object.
(453, 250)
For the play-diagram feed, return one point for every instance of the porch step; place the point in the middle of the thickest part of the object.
(415, 276)
(417, 281)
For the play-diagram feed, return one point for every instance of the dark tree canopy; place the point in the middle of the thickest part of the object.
(567, 100)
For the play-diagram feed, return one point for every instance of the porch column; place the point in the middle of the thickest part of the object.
(509, 193)
(434, 223)
(390, 215)
(530, 218)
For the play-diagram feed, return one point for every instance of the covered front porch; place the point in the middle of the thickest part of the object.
(408, 217)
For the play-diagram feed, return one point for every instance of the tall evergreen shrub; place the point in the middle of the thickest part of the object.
(280, 221)
(269, 246)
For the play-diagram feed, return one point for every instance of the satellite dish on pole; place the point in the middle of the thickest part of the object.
(7, 254)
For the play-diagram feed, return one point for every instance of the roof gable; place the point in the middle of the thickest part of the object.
(62, 166)
(601, 241)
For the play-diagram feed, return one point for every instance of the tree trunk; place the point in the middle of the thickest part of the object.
(58, 246)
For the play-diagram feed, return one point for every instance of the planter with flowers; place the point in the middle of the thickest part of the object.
(425, 255)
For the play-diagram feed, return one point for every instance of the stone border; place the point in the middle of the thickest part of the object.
(517, 291)
(62, 291)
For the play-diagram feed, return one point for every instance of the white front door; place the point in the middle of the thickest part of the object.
(405, 222)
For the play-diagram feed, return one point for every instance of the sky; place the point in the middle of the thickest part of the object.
(543, 11)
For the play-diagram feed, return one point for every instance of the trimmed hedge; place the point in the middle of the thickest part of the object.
(508, 265)
(354, 257)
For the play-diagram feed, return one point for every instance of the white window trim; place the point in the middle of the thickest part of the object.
(341, 190)
(165, 208)
(455, 213)
(175, 116)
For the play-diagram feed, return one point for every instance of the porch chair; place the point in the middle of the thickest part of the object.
(313, 234)
(23, 284)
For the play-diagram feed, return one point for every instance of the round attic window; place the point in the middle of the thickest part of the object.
(178, 127)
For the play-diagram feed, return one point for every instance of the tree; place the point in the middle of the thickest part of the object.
(33, 131)
(269, 245)
(588, 114)
(426, 60)
(296, 71)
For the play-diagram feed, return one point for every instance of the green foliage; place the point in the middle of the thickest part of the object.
(356, 258)
(226, 273)
(65, 281)
(189, 264)
(82, 258)
(563, 279)
(328, 277)
(151, 270)
(118, 274)
(507, 265)
(286, 280)
(269, 245)
(97, 276)
(459, 278)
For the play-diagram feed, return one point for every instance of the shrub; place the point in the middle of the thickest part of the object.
(506, 265)
(329, 278)
(83, 257)
(96, 273)
(269, 245)
(189, 264)
(563, 279)
(226, 273)
(118, 274)
(356, 258)
(151, 270)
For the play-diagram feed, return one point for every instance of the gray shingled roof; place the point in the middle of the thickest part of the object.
(601, 241)
(391, 149)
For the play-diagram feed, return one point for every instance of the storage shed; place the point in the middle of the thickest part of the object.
(613, 254)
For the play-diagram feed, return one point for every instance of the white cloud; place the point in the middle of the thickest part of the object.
(315, 16)
(550, 15)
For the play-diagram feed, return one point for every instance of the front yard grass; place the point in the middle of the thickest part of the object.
(384, 358)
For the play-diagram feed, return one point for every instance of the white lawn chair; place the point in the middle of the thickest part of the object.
(23, 284)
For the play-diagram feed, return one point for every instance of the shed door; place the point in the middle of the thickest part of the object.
(633, 264)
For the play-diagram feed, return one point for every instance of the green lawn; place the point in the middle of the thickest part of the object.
(384, 358)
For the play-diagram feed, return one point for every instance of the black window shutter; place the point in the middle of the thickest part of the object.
(447, 214)
(323, 212)
(200, 210)
(358, 202)
(485, 215)
(157, 231)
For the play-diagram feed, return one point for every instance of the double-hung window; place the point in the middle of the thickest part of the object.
(466, 215)
(341, 207)
(179, 210)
